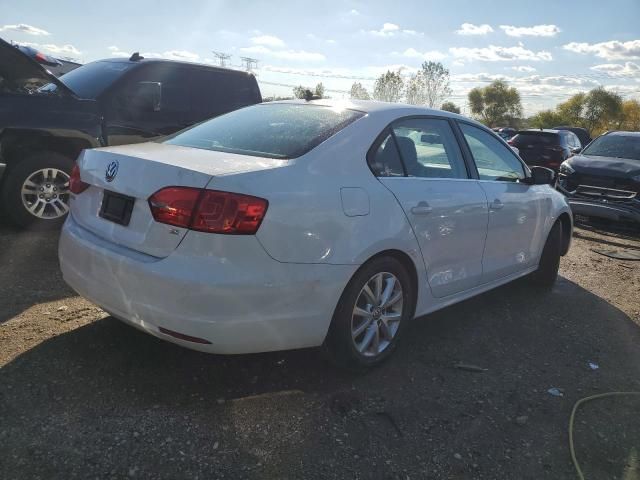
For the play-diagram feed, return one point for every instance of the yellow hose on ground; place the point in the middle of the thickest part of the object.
(572, 418)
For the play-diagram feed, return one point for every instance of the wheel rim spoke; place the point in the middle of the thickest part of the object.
(46, 187)
(377, 314)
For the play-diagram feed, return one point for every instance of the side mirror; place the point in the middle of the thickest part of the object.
(576, 150)
(541, 176)
(147, 96)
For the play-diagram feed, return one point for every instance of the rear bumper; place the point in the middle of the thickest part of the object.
(243, 302)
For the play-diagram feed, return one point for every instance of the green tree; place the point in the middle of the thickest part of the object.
(307, 93)
(571, 112)
(450, 107)
(496, 104)
(547, 119)
(630, 120)
(602, 110)
(429, 86)
(358, 92)
(388, 87)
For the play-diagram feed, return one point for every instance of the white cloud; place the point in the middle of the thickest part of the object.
(354, 12)
(429, 55)
(493, 53)
(457, 63)
(316, 38)
(535, 31)
(391, 29)
(471, 29)
(612, 50)
(523, 69)
(629, 69)
(116, 52)
(61, 50)
(183, 55)
(24, 28)
(294, 55)
(268, 41)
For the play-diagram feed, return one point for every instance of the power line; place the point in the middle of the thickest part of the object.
(222, 58)
(250, 63)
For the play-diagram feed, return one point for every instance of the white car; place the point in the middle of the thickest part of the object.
(297, 224)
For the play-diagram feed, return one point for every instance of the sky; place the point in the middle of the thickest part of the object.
(549, 50)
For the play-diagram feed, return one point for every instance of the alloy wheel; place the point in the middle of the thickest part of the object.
(45, 193)
(377, 314)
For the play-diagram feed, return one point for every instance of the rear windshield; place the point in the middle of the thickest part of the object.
(618, 146)
(536, 138)
(276, 130)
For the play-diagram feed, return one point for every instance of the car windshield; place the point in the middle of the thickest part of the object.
(276, 130)
(619, 146)
(90, 80)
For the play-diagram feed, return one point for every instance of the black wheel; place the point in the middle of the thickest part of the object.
(547, 272)
(372, 312)
(36, 191)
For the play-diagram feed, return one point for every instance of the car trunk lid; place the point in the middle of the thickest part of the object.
(132, 174)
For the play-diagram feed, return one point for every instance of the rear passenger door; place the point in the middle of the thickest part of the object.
(420, 161)
(517, 211)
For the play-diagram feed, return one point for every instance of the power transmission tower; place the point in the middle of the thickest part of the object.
(222, 58)
(249, 63)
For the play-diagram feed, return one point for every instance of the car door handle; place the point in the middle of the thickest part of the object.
(422, 208)
(496, 205)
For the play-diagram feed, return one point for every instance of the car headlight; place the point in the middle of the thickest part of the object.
(566, 169)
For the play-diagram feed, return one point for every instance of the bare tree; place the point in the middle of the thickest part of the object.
(358, 92)
(429, 86)
(389, 87)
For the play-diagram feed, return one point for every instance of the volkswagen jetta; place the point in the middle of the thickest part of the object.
(299, 224)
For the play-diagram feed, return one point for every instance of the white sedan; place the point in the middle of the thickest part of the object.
(299, 224)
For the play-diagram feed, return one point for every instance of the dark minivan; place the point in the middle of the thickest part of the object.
(46, 121)
(546, 148)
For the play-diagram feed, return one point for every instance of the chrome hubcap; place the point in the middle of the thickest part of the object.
(377, 314)
(45, 193)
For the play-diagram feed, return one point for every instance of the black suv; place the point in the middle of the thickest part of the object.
(546, 148)
(46, 121)
(604, 180)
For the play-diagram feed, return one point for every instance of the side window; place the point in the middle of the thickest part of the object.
(493, 159)
(429, 148)
(575, 140)
(385, 161)
(214, 93)
(174, 103)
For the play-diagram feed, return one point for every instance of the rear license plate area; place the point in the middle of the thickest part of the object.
(116, 207)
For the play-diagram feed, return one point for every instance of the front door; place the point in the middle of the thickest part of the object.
(517, 211)
(128, 120)
(421, 163)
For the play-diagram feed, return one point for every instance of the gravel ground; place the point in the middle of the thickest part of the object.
(84, 396)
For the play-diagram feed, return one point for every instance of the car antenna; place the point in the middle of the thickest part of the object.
(136, 57)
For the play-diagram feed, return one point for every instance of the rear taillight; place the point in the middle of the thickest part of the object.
(208, 210)
(76, 185)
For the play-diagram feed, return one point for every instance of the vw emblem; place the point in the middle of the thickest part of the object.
(112, 171)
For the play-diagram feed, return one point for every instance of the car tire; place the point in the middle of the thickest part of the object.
(346, 339)
(49, 171)
(547, 272)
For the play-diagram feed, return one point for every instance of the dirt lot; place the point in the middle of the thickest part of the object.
(84, 396)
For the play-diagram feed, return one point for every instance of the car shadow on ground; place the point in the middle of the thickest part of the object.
(108, 401)
(29, 270)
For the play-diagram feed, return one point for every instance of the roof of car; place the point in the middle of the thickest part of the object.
(372, 106)
(534, 130)
(176, 62)
(623, 133)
